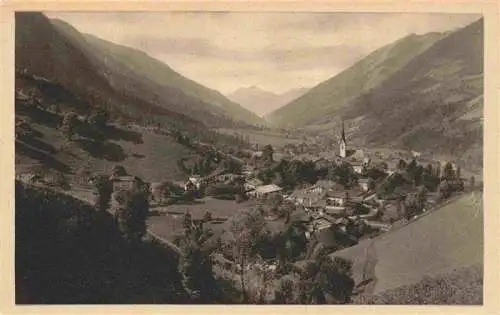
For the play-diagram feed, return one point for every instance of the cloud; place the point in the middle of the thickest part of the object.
(278, 51)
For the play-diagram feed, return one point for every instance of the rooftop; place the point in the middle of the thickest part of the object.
(127, 178)
(268, 188)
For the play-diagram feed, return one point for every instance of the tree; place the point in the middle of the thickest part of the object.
(131, 214)
(401, 164)
(444, 190)
(104, 191)
(343, 174)
(69, 123)
(99, 117)
(412, 166)
(247, 229)
(330, 280)
(334, 278)
(428, 170)
(207, 217)
(267, 153)
(195, 268)
(187, 222)
(242, 252)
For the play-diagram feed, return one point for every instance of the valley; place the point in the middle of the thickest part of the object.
(355, 190)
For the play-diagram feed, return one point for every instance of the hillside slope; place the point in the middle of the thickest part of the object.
(423, 93)
(434, 104)
(444, 240)
(133, 71)
(363, 76)
(70, 77)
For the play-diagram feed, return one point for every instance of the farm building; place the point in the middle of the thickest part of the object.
(125, 182)
(267, 190)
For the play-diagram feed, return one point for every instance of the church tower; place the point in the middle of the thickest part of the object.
(343, 143)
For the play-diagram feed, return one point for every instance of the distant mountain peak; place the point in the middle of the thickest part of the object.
(262, 101)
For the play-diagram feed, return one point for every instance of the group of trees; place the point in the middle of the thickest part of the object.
(343, 174)
(289, 174)
(319, 281)
(95, 123)
(195, 265)
(130, 206)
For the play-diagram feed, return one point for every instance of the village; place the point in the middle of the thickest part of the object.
(351, 196)
(335, 200)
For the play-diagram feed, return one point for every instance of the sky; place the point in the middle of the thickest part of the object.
(275, 51)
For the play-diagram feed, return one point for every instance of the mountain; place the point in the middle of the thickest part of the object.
(263, 102)
(133, 71)
(54, 75)
(65, 74)
(363, 76)
(422, 92)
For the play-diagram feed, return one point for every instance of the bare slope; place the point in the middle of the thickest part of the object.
(440, 242)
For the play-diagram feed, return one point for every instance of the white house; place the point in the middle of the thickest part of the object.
(365, 183)
(195, 180)
(266, 190)
(358, 167)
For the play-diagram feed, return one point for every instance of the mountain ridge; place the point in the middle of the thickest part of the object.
(362, 76)
(261, 101)
(428, 99)
(129, 68)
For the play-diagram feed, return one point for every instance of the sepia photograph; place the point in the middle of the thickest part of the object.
(255, 158)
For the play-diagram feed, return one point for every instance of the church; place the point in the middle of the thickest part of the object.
(357, 158)
(343, 143)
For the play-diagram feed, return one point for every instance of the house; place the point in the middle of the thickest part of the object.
(195, 180)
(252, 184)
(127, 182)
(304, 197)
(322, 186)
(337, 198)
(319, 224)
(358, 167)
(190, 186)
(367, 161)
(267, 190)
(228, 177)
(366, 184)
(316, 206)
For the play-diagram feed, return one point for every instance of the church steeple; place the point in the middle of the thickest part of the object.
(343, 142)
(342, 136)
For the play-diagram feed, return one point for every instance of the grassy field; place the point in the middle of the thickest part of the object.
(440, 242)
(274, 138)
(154, 160)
